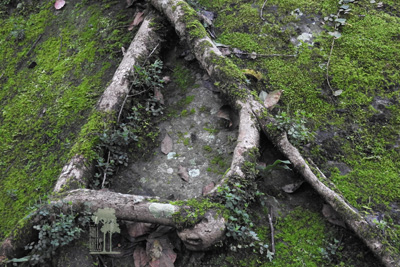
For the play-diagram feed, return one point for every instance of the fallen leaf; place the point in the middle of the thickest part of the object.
(337, 92)
(136, 21)
(137, 229)
(166, 144)
(183, 173)
(59, 4)
(208, 188)
(332, 216)
(291, 188)
(166, 79)
(158, 95)
(140, 257)
(272, 99)
(263, 95)
(252, 73)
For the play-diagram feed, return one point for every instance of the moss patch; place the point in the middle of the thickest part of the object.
(44, 106)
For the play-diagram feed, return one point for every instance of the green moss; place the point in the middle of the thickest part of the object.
(182, 76)
(193, 210)
(43, 108)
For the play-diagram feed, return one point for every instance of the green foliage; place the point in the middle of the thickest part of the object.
(240, 226)
(148, 77)
(182, 76)
(55, 229)
(135, 126)
(44, 108)
(295, 126)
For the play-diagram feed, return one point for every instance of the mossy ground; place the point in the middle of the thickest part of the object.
(43, 108)
(364, 64)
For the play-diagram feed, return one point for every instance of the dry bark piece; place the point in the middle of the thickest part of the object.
(183, 173)
(272, 99)
(166, 144)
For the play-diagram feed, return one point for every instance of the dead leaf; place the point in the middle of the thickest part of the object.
(272, 99)
(291, 188)
(166, 144)
(59, 4)
(140, 257)
(263, 95)
(136, 21)
(208, 188)
(183, 173)
(158, 95)
(252, 73)
(166, 79)
(137, 229)
(332, 216)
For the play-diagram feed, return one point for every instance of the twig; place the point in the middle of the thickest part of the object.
(327, 65)
(261, 11)
(122, 107)
(126, 97)
(59, 52)
(34, 44)
(272, 233)
(150, 54)
(105, 171)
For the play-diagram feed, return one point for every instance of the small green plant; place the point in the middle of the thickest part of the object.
(331, 250)
(148, 77)
(55, 229)
(295, 126)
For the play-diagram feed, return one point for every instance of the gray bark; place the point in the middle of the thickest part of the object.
(180, 14)
(78, 170)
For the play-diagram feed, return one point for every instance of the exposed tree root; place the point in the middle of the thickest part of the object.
(76, 172)
(253, 116)
(182, 17)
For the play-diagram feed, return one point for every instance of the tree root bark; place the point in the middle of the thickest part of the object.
(76, 172)
(253, 116)
(221, 69)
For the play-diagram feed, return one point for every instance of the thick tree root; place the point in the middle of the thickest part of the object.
(221, 69)
(76, 172)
